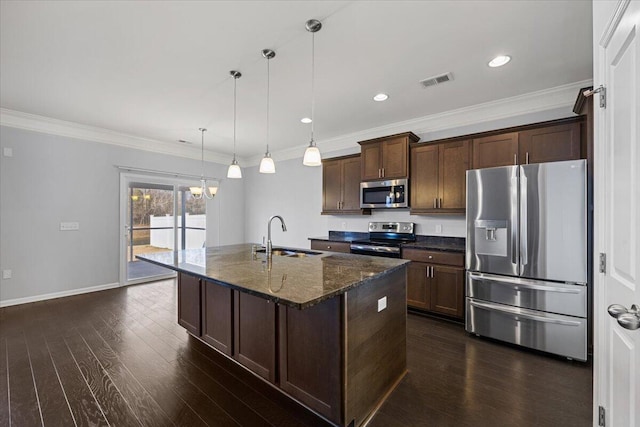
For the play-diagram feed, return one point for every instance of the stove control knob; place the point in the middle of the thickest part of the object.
(374, 226)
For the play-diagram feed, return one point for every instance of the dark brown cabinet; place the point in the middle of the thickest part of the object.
(325, 245)
(217, 316)
(496, 150)
(341, 186)
(189, 303)
(386, 157)
(549, 144)
(546, 142)
(310, 368)
(438, 180)
(435, 282)
(255, 334)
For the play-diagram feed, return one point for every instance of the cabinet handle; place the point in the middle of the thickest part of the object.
(379, 173)
(435, 203)
(439, 203)
(527, 157)
(515, 158)
(382, 172)
(328, 246)
(337, 205)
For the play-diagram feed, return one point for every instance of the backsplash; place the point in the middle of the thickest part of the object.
(427, 225)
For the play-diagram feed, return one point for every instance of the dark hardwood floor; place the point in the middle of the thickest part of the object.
(118, 358)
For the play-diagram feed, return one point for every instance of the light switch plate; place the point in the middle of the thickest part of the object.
(7, 152)
(382, 304)
(6, 274)
(439, 228)
(69, 226)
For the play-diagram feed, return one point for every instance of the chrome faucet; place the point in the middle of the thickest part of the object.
(284, 228)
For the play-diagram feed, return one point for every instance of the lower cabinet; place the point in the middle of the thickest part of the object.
(189, 303)
(435, 287)
(217, 316)
(255, 334)
(310, 367)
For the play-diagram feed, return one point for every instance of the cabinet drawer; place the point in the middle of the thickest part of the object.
(434, 257)
(325, 245)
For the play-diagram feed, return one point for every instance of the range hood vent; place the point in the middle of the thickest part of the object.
(436, 80)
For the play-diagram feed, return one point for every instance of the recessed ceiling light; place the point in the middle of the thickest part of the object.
(381, 97)
(499, 61)
(305, 120)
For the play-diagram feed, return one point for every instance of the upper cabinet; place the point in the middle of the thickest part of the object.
(542, 143)
(386, 158)
(341, 186)
(549, 144)
(438, 181)
(496, 150)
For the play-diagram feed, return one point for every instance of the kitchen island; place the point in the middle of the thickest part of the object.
(326, 329)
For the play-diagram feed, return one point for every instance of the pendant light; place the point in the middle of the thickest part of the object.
(312, 154)
(200, 192)
(234, 168)
(266, 164)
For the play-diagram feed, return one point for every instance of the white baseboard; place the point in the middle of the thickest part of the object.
(43, 297)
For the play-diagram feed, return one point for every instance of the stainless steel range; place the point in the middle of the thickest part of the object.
(385, 239)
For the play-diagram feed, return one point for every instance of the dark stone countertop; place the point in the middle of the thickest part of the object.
(433, 243)
(436, 243)
(297, 282)
(342, 236)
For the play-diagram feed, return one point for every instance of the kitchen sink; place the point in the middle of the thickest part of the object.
(293, 253)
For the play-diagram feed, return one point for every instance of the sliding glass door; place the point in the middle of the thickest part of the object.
(158, 215)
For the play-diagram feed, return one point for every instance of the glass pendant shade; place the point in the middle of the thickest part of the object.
(234, 170)
(267, 165)
(312, 156)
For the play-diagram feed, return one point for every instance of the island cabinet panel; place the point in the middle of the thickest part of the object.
(496, 150)
(324, 245)
(310, 356)
(255, 334)
(189, 303)
(375, 343)
(217, 316)
(550, 144)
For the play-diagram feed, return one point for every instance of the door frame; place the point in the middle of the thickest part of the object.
(602, 364)
(126, 178)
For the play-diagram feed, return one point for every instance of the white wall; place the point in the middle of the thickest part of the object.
(51, 179)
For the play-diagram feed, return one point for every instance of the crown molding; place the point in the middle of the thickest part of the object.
(47, 125)
(533, 102)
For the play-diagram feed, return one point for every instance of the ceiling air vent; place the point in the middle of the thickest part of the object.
(435, 80)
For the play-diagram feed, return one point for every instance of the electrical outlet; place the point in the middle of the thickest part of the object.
(382, 304)
(69, 226)
(6, 274)
(344, 225)
(7, 151)
(439, 228)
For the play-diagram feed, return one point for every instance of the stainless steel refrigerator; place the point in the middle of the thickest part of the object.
(526, 256)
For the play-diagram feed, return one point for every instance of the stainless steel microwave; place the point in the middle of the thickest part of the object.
(384, 194)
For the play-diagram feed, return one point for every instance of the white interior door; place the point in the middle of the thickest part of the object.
(617, 175)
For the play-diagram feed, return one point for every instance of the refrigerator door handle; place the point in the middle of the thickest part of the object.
(524, 283)
(518, 313)
(514, 220)
(523, 221)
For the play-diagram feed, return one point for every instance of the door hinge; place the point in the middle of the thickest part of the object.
(603, 262)
(603, 95)
(601, 419)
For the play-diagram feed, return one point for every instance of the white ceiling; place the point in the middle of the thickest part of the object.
(160, 69)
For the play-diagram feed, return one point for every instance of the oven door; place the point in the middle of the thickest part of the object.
(384, 194)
